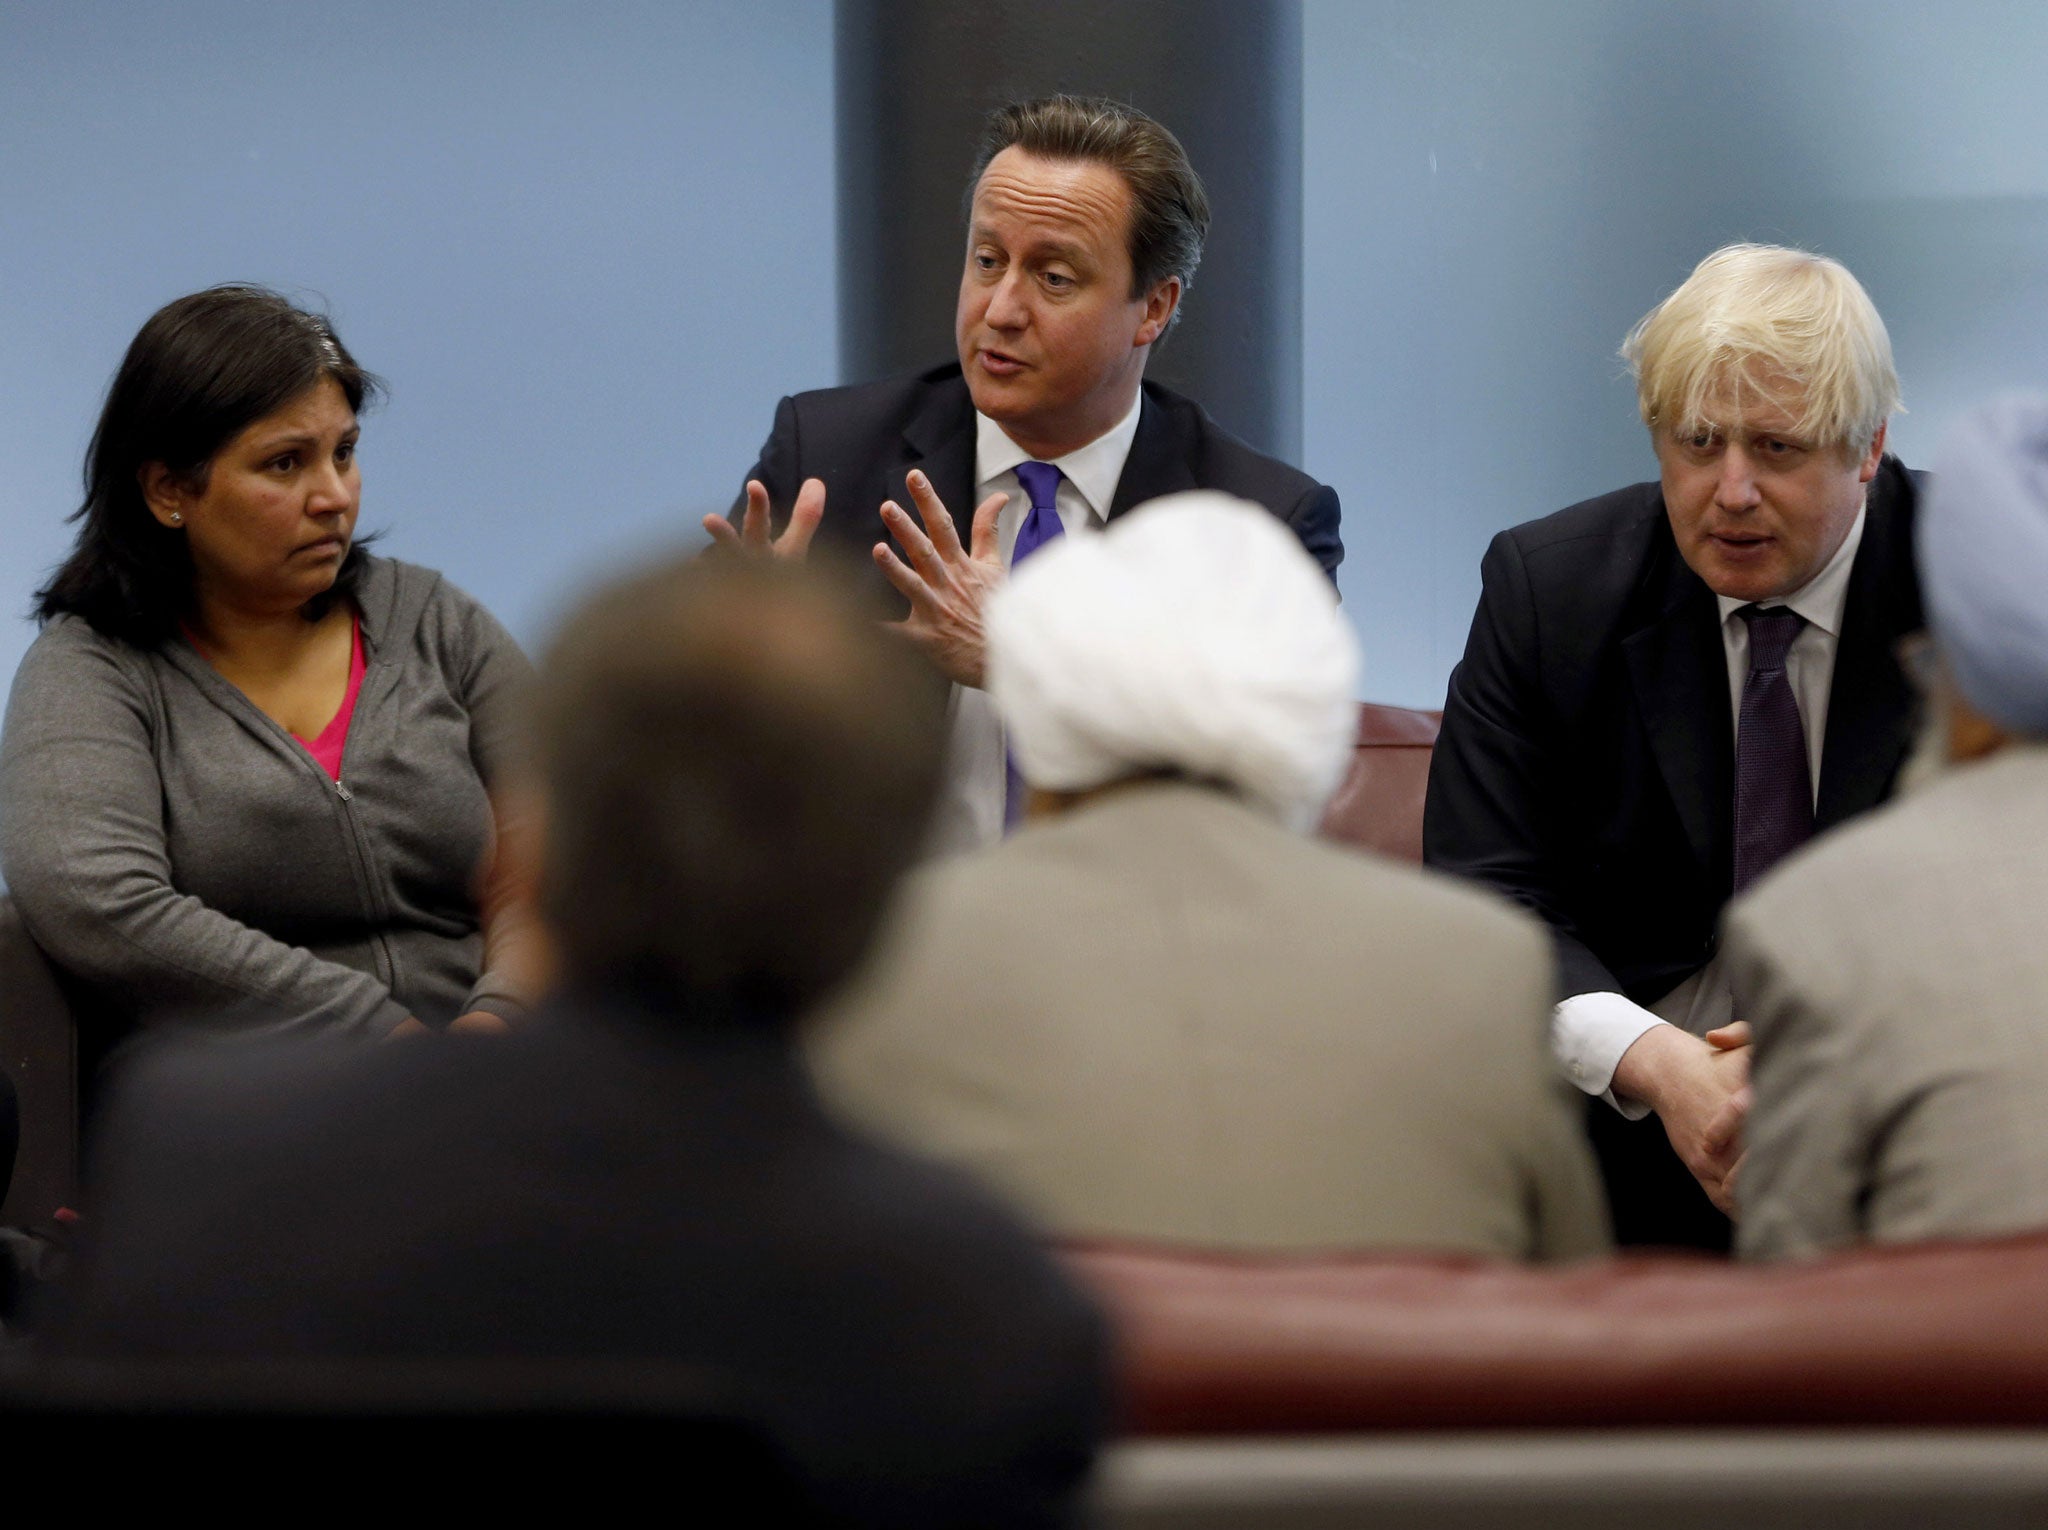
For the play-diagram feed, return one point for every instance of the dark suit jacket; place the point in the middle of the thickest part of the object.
(862, 440)
(1586, 762)
(609, 1184)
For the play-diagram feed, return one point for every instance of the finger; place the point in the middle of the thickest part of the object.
(938, 520)
(1724, 1130)
(804, 517)
(722, 532)
(1721, 1133)
(754, 528)
(1729, 1037)
(906, 580)
(982, 535)
(917, 547)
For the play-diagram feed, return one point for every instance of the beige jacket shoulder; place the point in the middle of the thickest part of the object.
(1164, 1016)
(1896, 974)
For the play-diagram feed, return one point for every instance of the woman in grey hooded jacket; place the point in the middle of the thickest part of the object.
(245, 774)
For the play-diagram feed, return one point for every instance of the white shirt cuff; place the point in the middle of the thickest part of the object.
(1588, 1034)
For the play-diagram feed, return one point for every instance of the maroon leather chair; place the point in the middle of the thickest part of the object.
(1951, 1334)
(1378, 805)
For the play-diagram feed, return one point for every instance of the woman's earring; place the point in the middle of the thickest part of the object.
(177, 519)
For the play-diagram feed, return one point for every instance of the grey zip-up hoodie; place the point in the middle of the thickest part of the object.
(184, 855)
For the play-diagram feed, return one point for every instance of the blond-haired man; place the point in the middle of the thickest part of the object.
(1668, 687)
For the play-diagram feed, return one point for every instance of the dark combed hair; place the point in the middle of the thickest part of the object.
(738, 764)
(202, 370)
(1169, 208)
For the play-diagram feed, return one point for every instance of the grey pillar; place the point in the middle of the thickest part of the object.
(916, 78)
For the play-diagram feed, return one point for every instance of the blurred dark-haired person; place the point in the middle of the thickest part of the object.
(1085, 224)
(1164, 1010)
(1668, 687)
(1896, 975)
(732, 767)
(244, 781)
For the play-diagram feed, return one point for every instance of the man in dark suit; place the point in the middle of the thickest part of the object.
(733, 767)
(1669, 686)
(1086, 224)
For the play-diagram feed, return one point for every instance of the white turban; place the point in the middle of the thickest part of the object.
(1983, 546)
(1193, 634)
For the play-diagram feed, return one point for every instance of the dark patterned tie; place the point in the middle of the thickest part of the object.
(1041, 482)
(1773, 787)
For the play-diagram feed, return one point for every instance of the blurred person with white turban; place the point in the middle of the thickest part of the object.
(1896, 974)
(1162, 1009)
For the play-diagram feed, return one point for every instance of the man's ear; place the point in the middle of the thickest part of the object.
(1875, 455)
(1160, 304)
(1971, 735)
(165, 492)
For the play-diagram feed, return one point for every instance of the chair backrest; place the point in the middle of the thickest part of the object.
(1946, 1334)
(39, 1050)
(1378, 806)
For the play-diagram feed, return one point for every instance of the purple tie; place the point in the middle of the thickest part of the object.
(1041, 481)
(1773, 787)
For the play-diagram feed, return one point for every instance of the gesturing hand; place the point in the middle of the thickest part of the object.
(944, 583)
(752, 534)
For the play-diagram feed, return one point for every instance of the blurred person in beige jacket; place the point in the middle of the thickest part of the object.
(1161, 1009)
(1895, 973)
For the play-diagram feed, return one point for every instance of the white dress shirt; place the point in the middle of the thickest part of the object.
(1589, 1032)
(969, 813)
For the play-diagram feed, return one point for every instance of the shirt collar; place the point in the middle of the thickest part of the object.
(1093, 469)
(1821, 599)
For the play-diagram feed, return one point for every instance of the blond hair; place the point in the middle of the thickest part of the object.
(1761, 322)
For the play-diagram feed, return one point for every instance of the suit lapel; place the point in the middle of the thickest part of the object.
(940, 440)
(1679, 671)
(1870, 703)
(1158, 461)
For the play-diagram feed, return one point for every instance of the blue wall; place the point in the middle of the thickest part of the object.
(1497, 190)
(589, 246)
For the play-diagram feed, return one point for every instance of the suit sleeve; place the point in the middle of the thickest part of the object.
(778, 465)
(1496, 785)
(1314, 518)
(1809, 1136)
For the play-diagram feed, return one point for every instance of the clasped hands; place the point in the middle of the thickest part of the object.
(1700, 1091)
(945, 583)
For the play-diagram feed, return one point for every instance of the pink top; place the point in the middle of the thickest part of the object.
(326, 749)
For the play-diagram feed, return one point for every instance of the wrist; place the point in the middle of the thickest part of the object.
(1653, 1063)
